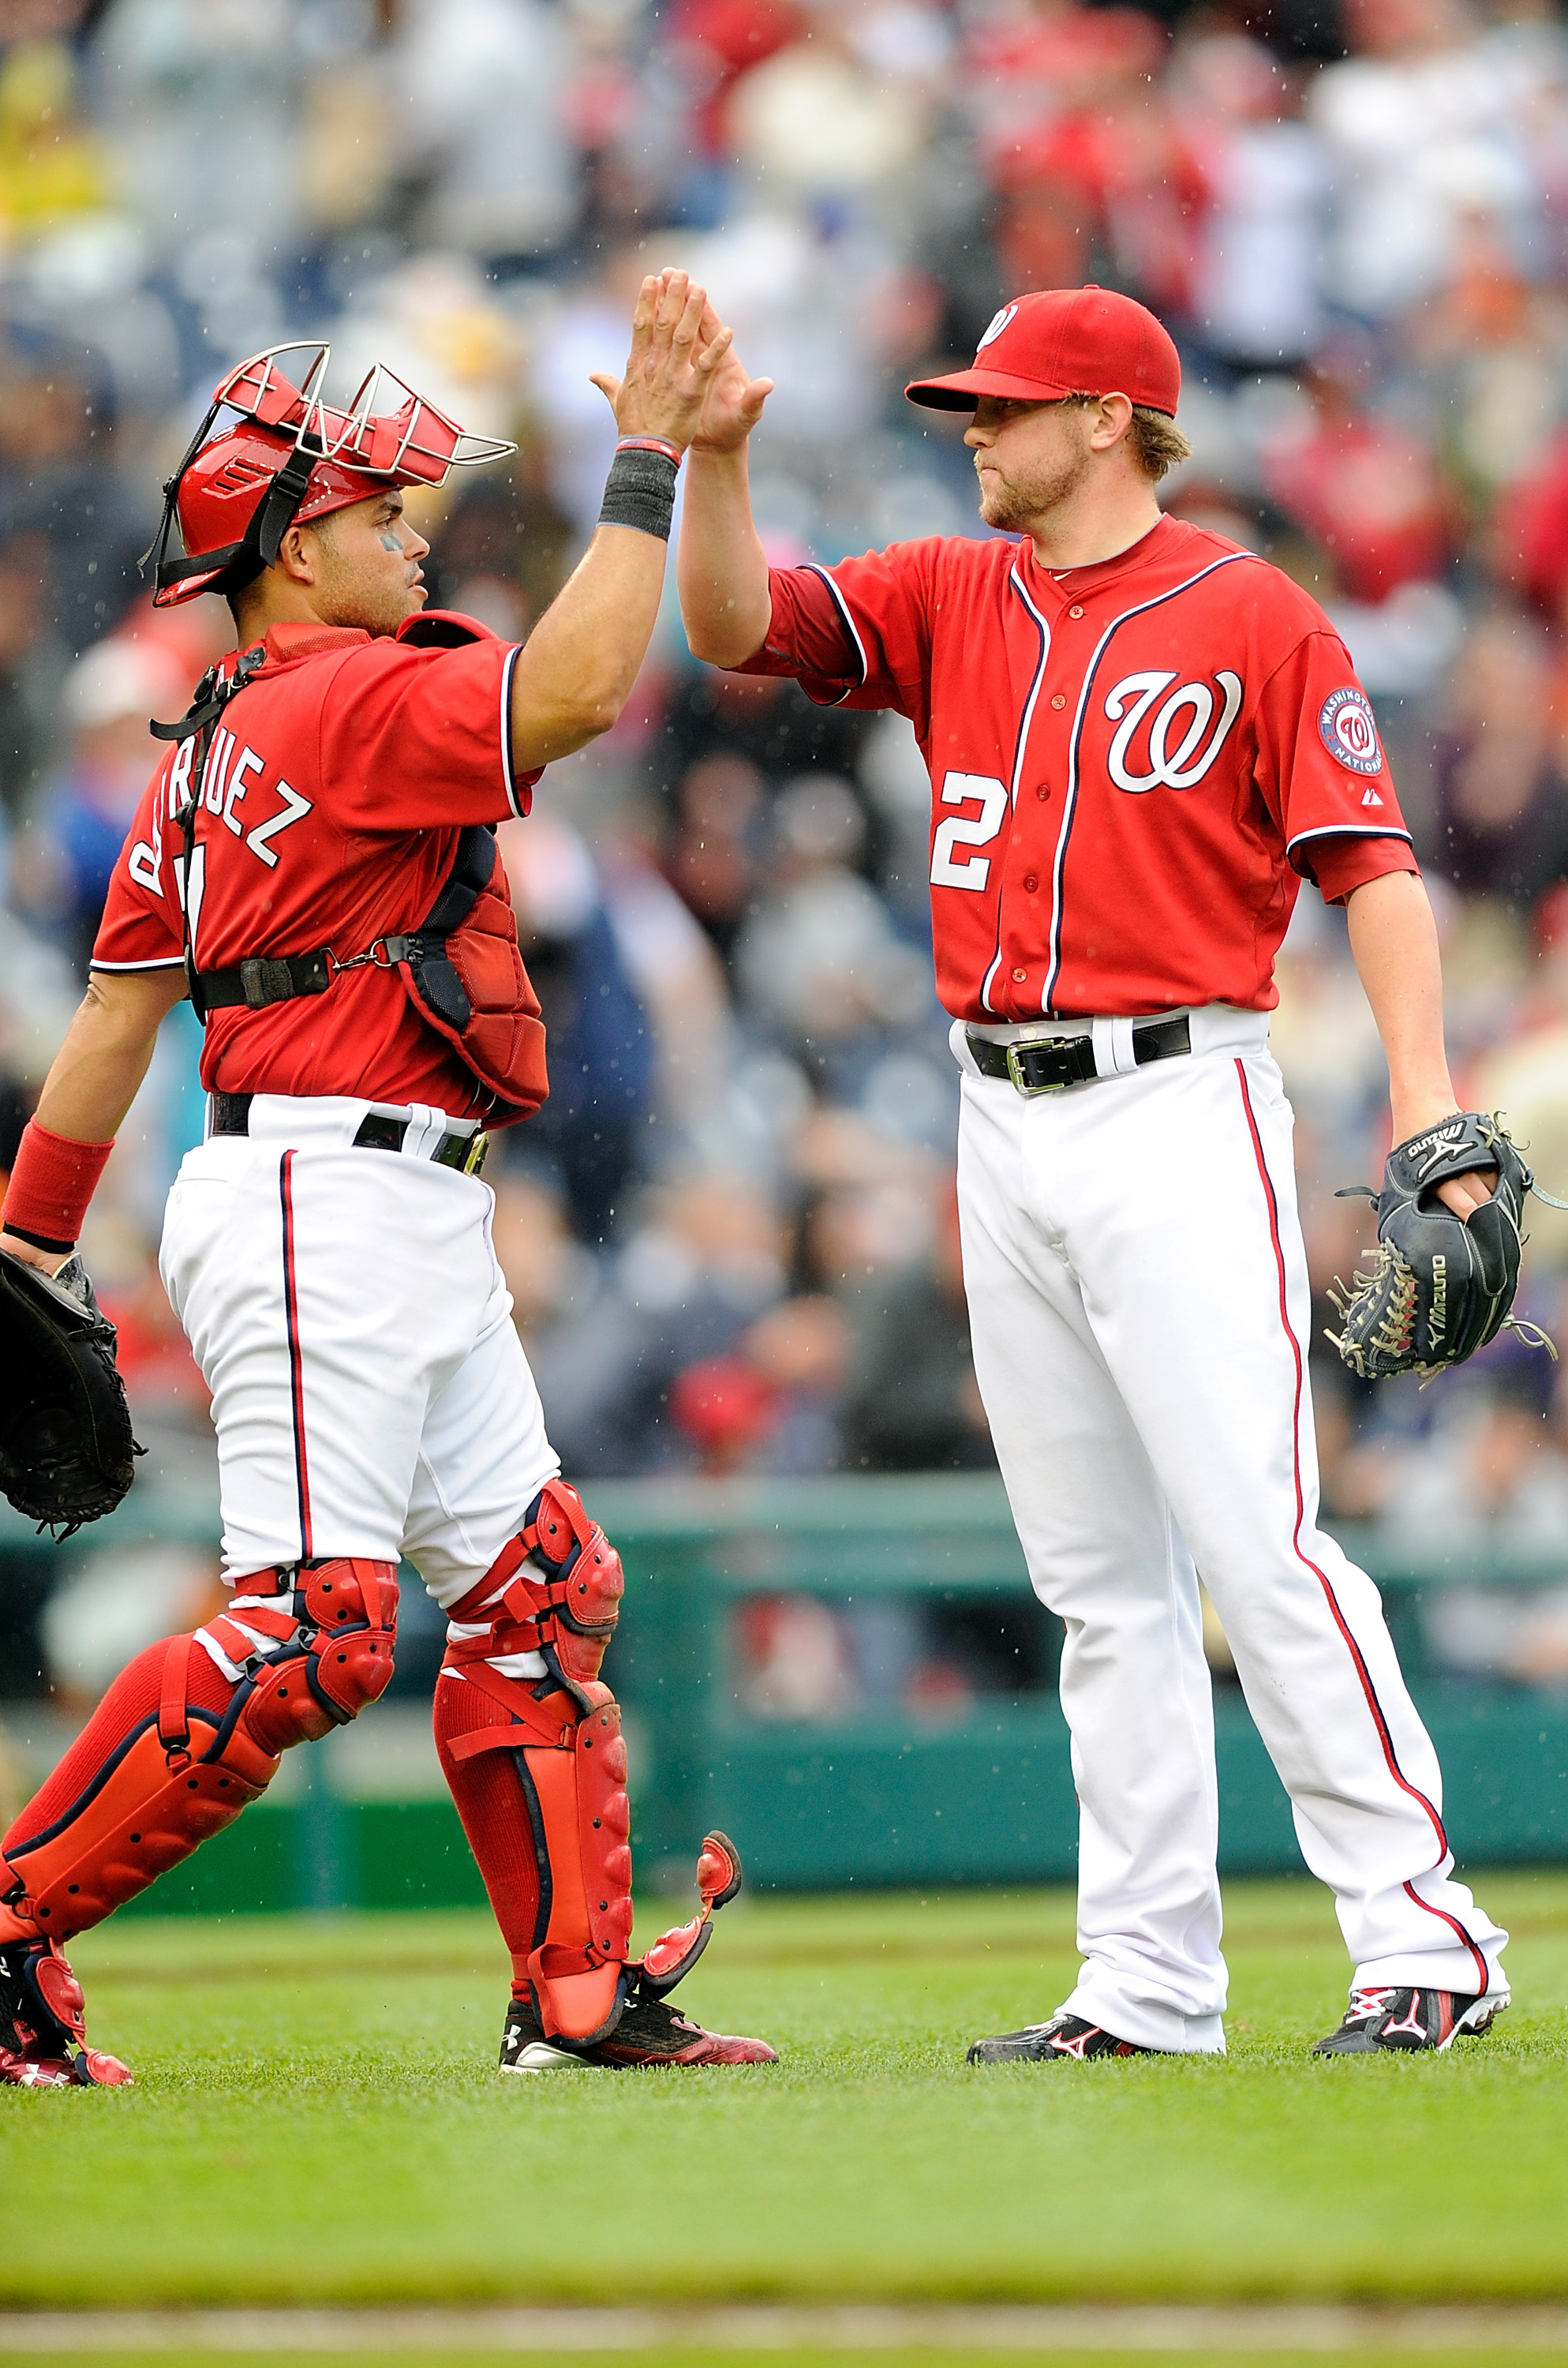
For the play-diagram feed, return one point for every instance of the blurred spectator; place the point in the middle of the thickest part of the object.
(769, 1406)
(601, 1049)
(32, 662)
(59, 490)
(1365, 489)
(1255, 290)
(87, 808)
(119, 1600)
(819, 964)
(911, 1403)
(705, 1261)
(1502, 813)
(1421, 120)
(713, 858)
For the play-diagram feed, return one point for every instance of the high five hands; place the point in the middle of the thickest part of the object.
(677, 348)
(684, 381)
(733, 402)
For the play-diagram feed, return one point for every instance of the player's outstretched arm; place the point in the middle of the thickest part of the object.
(94, 1080)
(580, 662)
(722, 567)
(1394, 940)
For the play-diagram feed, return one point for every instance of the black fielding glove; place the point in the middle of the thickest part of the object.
(1441, 1285)
(67, 1452)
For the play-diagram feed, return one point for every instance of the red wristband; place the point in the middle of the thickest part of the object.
(51, 1186)
(651, 444)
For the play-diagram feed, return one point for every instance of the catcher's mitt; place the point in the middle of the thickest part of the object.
(65, 1444)
(1442, 1285)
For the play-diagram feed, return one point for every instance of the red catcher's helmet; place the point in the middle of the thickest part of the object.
(291, 458)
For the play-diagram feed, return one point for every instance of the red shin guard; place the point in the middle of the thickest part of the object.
(175, 1748)
(538, 1771)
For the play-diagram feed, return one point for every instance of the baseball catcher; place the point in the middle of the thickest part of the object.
(315, 863)
(1442, 1283)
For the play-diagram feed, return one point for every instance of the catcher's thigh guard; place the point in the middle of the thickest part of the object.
(190, 1732)
(537, 1769)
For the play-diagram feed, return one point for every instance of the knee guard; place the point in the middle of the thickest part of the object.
(191, 1732)
(538, 1771)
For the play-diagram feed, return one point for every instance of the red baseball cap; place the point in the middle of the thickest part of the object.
(1061, 341)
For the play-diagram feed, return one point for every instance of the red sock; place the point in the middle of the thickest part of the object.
(489, 1796)
(129, 1702)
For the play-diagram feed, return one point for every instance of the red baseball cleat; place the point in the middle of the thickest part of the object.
(43, 2023)
(649, 2032)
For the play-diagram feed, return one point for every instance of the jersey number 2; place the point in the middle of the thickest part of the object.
(967, 830)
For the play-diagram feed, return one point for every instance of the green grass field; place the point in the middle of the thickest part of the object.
(317, 2120)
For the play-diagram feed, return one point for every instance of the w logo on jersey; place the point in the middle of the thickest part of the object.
(1184, 735)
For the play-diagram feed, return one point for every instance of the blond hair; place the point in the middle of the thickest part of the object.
(1157, 443)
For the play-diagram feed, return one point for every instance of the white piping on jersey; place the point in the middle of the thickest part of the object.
(508, 777)
(850, 627)
(1019, 751)
(164, 962)
(1069, 804)
(1349, 830)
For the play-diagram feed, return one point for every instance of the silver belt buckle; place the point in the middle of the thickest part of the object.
(1015, 1069)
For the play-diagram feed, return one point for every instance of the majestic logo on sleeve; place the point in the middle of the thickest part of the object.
(1349, 732)
(1183, 733)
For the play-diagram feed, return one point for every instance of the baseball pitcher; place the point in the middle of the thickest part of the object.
(1141, 738)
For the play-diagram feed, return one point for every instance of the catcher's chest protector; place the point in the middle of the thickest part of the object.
(537, 1769)
(178, 1747)
(465, 976)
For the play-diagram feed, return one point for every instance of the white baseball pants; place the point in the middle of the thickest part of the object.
(370, 1392)
(1140, 1307)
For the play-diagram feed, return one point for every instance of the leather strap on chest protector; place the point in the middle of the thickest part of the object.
(200, 723)
(538, 1768)
(177, 1748)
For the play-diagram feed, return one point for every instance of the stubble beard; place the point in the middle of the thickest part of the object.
(1012, 505)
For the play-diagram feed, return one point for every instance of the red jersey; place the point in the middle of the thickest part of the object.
(1133, 764)
(334, 793)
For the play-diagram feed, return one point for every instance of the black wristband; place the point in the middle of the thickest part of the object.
(38, 1241)
(641, 491)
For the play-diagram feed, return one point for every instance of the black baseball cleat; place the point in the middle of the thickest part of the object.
(1405, 2021)
(43, 2024)
(1048, 2042)
(649, 2032)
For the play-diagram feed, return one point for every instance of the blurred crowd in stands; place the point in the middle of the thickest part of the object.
(732, 1235)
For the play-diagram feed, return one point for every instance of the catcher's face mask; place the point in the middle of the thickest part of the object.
(289, 457)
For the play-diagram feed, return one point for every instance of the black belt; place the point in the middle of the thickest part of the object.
(1045, 1067)
(231, 1115)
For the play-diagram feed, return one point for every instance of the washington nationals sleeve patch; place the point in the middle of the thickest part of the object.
(1349, 731)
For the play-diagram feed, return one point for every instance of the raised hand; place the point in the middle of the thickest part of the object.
(733, 402)
(677, 346)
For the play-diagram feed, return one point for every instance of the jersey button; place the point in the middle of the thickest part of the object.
(1060, 699)
(1030, 883)
(1074, 612)
(1042, 792)
(1019, 976)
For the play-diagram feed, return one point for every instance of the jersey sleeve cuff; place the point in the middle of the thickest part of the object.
(1340, 858)
(160, 962)
(518, 786)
